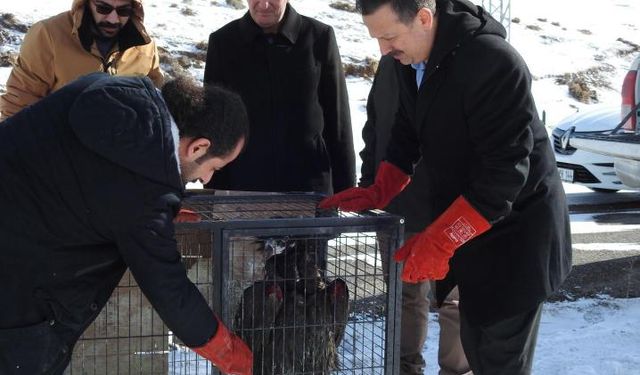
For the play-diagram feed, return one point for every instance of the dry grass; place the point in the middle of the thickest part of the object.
(165, 56)
(580, 90)
(9, 21)
(582, 84)
(236, 4)
(198, 55)
(10, 31)
(347, 6)
(633, 47)
(178, 62)
(170, 64)
(366, 68)
(202, 45)
(188, 11)
(7, 38)
(8, 59)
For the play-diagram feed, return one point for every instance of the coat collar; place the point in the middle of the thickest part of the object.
(459, 21)
(289, 29)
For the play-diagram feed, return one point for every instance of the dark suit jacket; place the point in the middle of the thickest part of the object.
(293, 86)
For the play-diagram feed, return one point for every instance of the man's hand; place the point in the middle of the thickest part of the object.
(389, 182)
(426, 255)
(227, 352)
(186, 216)
(352, 199)
(423, 260)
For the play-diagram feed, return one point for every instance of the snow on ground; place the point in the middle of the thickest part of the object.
(585, 337)
(592, 336)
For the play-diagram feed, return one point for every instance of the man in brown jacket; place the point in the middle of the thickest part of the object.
(94, 36)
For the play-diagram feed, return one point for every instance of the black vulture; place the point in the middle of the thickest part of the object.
(294, 320)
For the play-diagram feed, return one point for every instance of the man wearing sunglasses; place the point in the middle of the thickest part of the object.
(94, 36)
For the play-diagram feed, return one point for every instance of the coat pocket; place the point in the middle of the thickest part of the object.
(31, 350)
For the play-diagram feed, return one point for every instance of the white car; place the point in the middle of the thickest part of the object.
(621, 144)
(592, 170)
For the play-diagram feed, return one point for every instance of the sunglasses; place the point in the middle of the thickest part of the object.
(105, 9)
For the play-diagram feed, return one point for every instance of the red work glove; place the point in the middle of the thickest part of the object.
(390, 181)
(426, 255)
(186, 216)
(227, 352)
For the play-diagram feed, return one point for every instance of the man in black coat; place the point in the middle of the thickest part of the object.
(92, 178)
(382, 106)
(501, 228)
(287, 69)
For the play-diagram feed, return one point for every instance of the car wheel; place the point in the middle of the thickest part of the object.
(601, 190)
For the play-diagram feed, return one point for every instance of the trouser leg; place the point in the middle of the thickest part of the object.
(502, 348)
(414, 315)
(413, 334)
(451, 357)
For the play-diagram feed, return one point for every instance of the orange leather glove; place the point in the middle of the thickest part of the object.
(186, 216)
(426, 255)
(390, 181)
(227, 352)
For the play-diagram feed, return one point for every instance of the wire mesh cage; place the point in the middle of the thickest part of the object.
(310, 291)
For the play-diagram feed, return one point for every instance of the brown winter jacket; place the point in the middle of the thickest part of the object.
(60, 49)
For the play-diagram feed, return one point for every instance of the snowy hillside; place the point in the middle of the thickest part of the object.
(586, 43)
(594, 39)
(569, 41)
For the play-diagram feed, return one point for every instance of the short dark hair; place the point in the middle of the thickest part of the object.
(210, 112)
(405, 9)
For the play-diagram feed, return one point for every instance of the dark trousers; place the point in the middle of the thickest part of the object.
(415, 316)
(502, 348)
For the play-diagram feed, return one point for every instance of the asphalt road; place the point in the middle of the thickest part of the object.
(606, 245)
(604, 225)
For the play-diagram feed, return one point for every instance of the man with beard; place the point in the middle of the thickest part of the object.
(94, 36)
(93, 178)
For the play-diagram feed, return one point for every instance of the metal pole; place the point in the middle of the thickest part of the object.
(501, 11)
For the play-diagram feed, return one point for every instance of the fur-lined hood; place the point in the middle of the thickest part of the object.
(77, 12)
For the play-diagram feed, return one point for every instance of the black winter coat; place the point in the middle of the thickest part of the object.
(476, 127)
(294, 88)
(382, 106)
(90, 186)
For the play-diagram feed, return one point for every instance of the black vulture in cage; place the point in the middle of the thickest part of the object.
(294, 319)
(261, 303)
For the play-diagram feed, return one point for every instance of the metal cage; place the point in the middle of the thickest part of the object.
(500, 10)
(310, 291)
